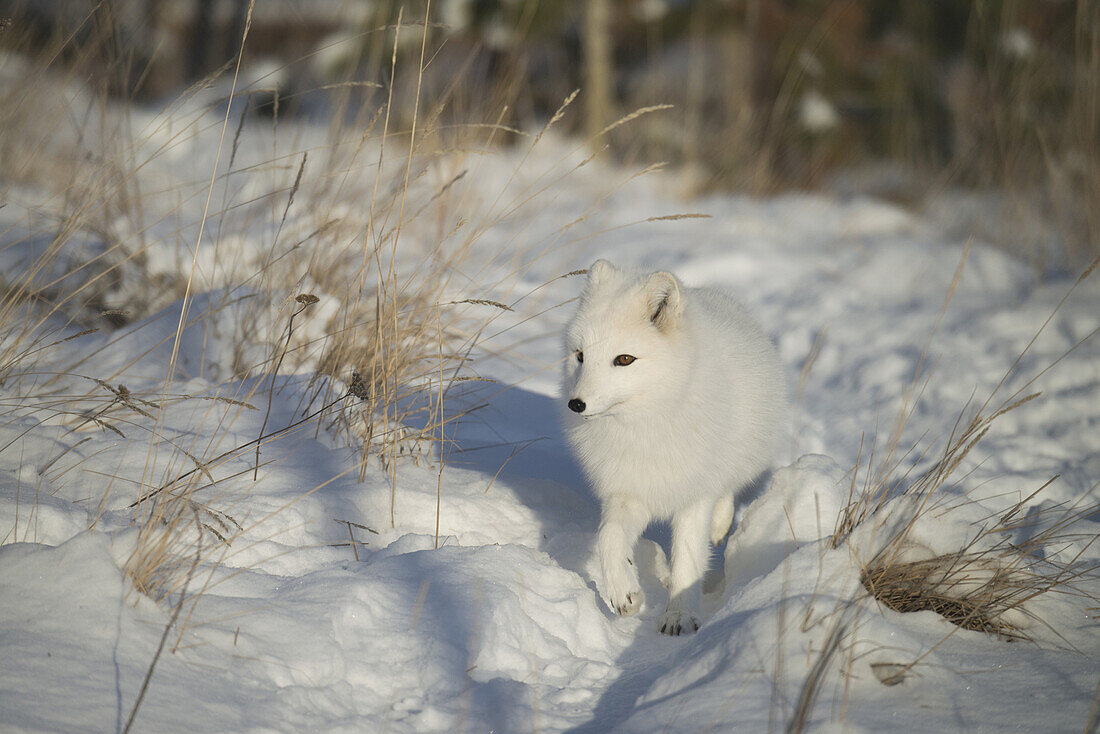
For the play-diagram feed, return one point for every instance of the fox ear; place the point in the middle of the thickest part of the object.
(662, 292)
(600, 271)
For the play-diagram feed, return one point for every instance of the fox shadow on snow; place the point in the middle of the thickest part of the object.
(515, 435)
(518, 433)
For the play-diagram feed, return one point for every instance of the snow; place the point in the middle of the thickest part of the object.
(493, 621)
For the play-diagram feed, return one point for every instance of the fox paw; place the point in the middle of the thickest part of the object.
(623, 592)
(678, 623)
(628, 604)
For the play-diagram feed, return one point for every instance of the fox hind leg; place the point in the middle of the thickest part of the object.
(722, 519)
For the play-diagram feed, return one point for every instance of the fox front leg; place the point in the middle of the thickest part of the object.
(621, 524)
(690, 552)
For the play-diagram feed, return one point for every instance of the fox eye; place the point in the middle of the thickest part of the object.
(580, 356)
(623, 360)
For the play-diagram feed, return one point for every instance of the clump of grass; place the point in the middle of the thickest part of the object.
(962, 588)
(364, 302)
(984, 585)
(987, 584)
(991, 583)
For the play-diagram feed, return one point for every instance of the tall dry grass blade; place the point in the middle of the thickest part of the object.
(304, 301)
(1008, 373)
(198, 240)
(1092, 723)
(811, 685)
(556, 117)
(164, 636)
(633, 116)
(237, 449)
(439, 407)
(676, 217)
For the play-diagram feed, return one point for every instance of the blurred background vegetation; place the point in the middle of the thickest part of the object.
(911, 100)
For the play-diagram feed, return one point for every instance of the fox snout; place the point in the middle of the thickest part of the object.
(577, 405)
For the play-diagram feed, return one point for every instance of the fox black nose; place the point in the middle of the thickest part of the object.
(576, 405)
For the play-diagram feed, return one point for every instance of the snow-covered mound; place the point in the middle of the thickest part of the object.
(412, 598)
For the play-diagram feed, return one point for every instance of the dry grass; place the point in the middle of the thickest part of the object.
(44, 305)
(399, 312)
(1028, 128)
(366, 281)
(991, 583)
(994, 101)
(971, 590)
(983, 586)
(986, 584)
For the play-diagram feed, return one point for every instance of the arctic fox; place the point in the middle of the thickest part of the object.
(676, 400)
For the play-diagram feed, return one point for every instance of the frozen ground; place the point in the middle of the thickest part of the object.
(502, 628)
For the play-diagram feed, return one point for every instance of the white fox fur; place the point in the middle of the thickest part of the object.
(672, 434)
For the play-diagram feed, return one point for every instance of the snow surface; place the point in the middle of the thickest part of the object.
(501, 628)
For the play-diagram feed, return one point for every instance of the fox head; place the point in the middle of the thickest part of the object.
(623, 347)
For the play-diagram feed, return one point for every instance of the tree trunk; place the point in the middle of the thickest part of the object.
(597, 67)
